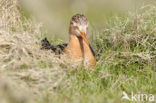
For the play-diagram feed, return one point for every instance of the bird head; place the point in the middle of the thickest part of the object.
(79, 26)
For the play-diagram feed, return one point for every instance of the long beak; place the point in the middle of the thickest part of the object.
(84, 37)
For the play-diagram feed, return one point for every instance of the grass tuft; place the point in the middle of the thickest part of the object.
(125, 48)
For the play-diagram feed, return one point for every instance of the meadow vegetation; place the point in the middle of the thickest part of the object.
(125, 48)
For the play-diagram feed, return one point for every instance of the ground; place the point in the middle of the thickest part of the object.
(125, 48)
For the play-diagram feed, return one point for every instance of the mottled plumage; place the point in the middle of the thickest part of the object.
(57, 49)
(79, 19)
(78, 47)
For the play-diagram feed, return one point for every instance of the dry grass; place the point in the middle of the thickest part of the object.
(20, 54)
(17, 44)
(125, 43)
(130, 37)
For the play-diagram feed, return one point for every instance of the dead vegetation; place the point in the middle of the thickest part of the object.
(132, 38)
(34, 72)
(20, 54)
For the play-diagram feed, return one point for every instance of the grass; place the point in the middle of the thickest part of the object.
(125, 48)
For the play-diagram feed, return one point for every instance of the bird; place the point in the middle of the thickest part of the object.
(78, 47)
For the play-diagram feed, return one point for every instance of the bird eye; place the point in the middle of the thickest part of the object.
(74, 24)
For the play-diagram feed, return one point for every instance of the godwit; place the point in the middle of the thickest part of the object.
(78, 47)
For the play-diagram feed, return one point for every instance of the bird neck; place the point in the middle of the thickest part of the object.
(80, 50)
(79, 45)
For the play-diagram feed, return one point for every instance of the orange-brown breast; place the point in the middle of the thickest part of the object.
(89, 57)
(75, 52)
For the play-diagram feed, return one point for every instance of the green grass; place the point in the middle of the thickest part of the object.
(125, 48)
(104, 84)
(126, 51)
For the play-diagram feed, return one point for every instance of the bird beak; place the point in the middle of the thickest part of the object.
(84, 37)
